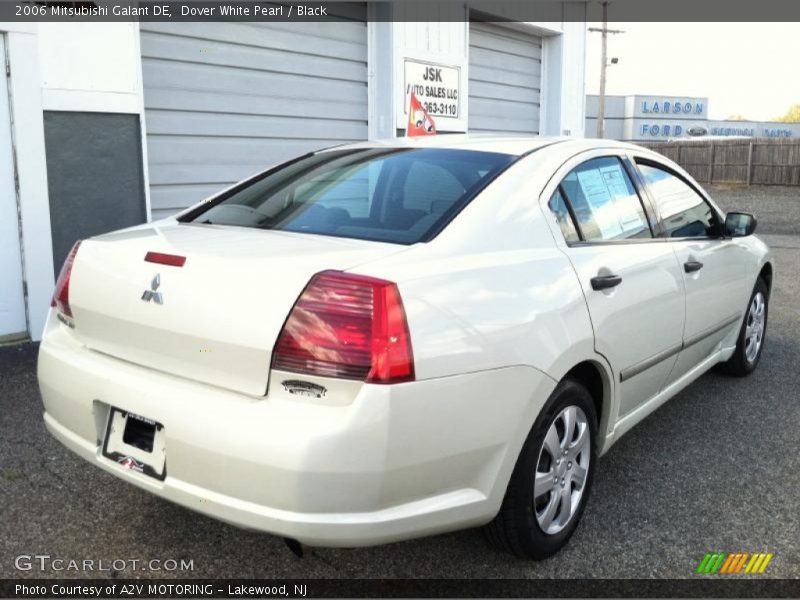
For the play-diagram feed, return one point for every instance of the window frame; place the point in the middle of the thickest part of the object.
(662, 230)
(633, 177)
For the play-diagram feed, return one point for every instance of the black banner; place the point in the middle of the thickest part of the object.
(400, 10)
(700, 587)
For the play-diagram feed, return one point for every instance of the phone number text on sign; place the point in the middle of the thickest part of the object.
(441, 109)
(437, 87)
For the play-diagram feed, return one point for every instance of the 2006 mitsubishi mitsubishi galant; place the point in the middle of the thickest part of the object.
(393, 339)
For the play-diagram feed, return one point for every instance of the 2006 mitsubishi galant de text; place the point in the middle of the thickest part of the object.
(393, 339)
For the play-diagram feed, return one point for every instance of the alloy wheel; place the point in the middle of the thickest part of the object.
(561, 470)
(754, 330)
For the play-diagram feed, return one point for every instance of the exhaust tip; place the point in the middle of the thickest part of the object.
(295, 546)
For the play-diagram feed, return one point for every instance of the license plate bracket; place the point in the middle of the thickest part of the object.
(136, 443)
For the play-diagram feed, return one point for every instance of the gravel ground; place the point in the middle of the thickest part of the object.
(777, 208)
(716, 469)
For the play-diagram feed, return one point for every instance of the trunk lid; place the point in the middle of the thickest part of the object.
(220, 313)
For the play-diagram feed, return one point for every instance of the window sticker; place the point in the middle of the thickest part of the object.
(615, 180)
(598, 197)
(628, 212)
(616, 210)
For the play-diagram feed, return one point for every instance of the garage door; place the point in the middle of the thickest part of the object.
(225, 100)
(505, 74)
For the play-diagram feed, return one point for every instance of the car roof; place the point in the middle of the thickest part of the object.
(513, 145)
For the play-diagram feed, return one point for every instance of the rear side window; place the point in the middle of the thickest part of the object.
(559, 208)
(683, 212)
(605, 202)
(391, 195)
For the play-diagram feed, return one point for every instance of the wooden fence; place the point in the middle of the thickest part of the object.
(740, 160)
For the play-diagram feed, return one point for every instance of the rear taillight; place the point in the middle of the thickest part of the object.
(347, 326)
(60, 299)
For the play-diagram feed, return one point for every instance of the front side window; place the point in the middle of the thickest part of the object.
(683, 212)
(605, 202)
(396, 195)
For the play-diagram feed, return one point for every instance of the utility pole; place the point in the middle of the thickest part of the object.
(601, 101)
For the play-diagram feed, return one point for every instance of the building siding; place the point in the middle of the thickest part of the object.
(226, 100)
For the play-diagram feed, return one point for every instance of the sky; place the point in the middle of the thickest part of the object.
(742, 68)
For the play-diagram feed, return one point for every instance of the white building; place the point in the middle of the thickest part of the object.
(651, 118)
(112, 124)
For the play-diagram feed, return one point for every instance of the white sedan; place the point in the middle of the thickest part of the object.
(393, 339)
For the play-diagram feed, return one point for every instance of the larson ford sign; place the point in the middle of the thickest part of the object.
(673, 106)
(675, 129)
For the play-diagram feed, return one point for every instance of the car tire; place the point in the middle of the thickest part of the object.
(753, 331)
(521, 526)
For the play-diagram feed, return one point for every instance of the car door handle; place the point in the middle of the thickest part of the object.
(604, 282)
(692, 266)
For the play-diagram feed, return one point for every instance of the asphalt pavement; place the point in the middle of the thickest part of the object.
(715, 469)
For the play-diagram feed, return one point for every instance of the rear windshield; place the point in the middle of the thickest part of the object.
(392, 195)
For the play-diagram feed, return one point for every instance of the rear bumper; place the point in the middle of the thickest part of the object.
(394, 462)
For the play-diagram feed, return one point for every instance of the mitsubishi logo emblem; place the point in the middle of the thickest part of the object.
(153, 293)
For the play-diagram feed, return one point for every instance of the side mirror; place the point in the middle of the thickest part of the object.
(739, 224)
